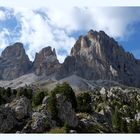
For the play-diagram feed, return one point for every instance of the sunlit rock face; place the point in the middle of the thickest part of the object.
(94, 56)
(97, 56)
(46, 62)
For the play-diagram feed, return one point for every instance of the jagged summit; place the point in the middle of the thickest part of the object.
(97, 56)
(94, 56)
(47, 51)
(14, 62)
(10, 50)
(46, 62)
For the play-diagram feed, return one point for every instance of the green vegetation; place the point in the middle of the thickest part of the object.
(83, 102)
(5, 95)
(64, 129)
(47, 125)
(133, 127)
(116, 120)
(25, 92)
(37, 98)
(58, 130)
(116, 111)
(52, 106)
(67, 91)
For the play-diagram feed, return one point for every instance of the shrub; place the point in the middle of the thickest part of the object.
(25, 92)
(116, 119)
(52, 106)
(47, 125)
(83, 102)
(66, 127)
(28, 93)
(1, 100)
(5, 95)
(123, 126)
(37, 99)
(57, 130)
(8, 92)
(133, 127)
(66, 90)
(14, 92)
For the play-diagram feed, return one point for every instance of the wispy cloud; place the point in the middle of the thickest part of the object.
(54, 26)
(2, 16)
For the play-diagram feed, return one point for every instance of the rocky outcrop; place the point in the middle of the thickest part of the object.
(97, 56)
(13, 115)
(14, 62)
(38, 123)
(137, 116)
(7, 119)
(21, 107)
(46, 62)
(65, 111)
(94, 123)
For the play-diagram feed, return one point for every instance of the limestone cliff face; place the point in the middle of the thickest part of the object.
(97, 56)
(46, 62)
(94, 56)
(14, 62)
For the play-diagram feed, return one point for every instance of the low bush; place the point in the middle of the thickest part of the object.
(84, 102)
(37, 98)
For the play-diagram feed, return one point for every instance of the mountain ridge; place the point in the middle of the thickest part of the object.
(94, 56)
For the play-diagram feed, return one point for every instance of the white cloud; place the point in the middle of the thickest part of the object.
(55, 28)
(66, 4)
(114, 21)
(4, 42)
(38, 33)
(2, 15)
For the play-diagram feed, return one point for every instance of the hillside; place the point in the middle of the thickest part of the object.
(95, 90)
(102, 110)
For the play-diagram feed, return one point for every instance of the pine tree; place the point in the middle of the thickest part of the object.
(68, 92)
(123, 126)
(37, 99)
(134, 127)
(66, 127)
(52, 106)
(116, 120)
(8, 92)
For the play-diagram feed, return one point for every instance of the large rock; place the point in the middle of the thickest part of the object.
(46, 100)
(93, 123)
(97, 56)
(38, 122)
(14, 62)
(137, 116)
(46, 62)
(65, 111)
(21, 107)
(7, 119)
(41, 120)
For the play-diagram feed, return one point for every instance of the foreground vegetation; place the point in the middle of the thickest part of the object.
(113, 110)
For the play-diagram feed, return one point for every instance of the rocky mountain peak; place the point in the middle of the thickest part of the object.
(15, 50)
(95, 56)
(14, 62)
(47, 52)
(45, 61)
(98, 56)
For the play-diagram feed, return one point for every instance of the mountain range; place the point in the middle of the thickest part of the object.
(94, 58)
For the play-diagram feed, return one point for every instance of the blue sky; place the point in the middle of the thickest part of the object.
(132, 44)
(59, 27)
